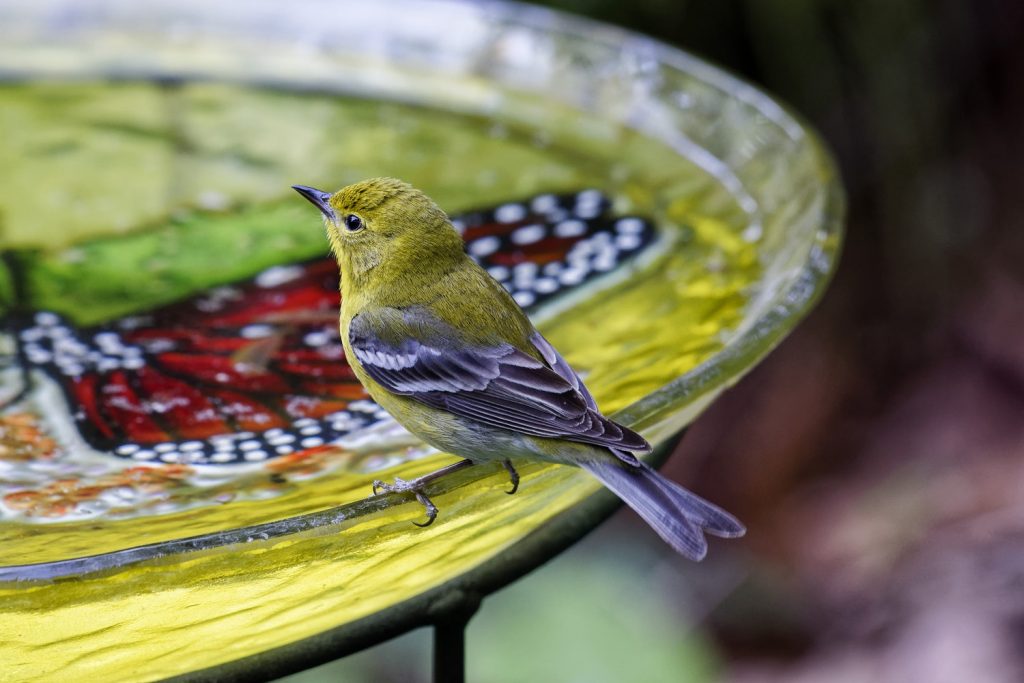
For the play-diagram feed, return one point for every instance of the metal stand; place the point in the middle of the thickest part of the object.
(450, 645)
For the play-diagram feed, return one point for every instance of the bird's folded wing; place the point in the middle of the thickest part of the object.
(498, 385)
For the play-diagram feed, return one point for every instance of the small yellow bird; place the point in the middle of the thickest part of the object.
(447, 351)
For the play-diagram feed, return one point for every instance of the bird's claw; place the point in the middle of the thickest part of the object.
(429, 506)
(403, 486)
(513, 475)
(381, 486)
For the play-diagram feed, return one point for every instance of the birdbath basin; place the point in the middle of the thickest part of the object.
(185, 460)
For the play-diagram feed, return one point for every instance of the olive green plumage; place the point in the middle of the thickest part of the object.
(446, 350)
(408, 253)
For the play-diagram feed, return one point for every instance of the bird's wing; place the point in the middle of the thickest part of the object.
(498, 385)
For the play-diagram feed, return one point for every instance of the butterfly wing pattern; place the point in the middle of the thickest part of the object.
(249, 371)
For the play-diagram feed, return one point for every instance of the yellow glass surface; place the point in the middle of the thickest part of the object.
(744, 199)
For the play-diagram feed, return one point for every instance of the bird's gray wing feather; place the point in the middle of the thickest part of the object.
(498, 385)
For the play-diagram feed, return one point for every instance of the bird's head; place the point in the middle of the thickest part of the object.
(385, 227)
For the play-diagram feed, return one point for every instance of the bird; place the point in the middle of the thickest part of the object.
(447, 351)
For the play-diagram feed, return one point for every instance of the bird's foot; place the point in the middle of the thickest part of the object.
(414, 486)
(513, 475)
(417, 486)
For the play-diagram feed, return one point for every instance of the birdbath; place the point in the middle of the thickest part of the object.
(185, 458)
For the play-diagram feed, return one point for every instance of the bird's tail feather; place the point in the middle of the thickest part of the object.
(681, 518)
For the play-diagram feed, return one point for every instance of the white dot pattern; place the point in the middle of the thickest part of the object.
(250, 447)
(602, 242)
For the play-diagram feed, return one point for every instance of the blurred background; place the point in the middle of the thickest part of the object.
(877, 455)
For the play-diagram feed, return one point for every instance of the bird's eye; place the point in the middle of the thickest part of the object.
(353, 222)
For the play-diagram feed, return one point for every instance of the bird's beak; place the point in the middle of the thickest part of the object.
(317, 198)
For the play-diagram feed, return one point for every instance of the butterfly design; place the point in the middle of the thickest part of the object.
(254, 370)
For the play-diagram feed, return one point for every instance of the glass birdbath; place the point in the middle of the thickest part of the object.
(185, 459)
